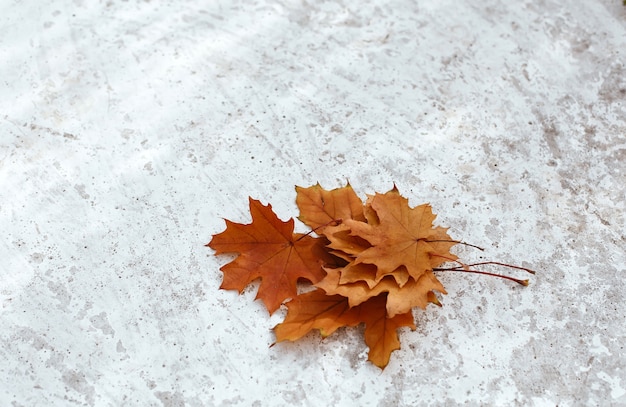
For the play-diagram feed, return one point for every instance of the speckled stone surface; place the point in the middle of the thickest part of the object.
(129, 129)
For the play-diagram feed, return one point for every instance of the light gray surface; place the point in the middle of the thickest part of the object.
(129, 129)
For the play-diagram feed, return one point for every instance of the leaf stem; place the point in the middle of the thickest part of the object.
(457, 242)
(467, 268)
(450, 259)
(497, 263)
(522, 282)
(336, 221)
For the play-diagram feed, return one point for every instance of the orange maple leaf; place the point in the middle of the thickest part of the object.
(268, 249)
(381, 334)
(320, 208)
(315, 310)
(327, 313)
(403, 236)
(415, 293)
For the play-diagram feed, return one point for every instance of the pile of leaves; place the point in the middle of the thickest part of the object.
(369, 263)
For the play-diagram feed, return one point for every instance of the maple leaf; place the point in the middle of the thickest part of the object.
(327, 313)
(400, 299)
(381, 334)
(315, 310)
(320, 208)
(403, 236)
(344, 243)
(268, 249)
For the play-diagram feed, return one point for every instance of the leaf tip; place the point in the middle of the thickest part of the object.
(432, 298)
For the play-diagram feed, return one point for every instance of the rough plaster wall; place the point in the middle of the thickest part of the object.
(129, 129)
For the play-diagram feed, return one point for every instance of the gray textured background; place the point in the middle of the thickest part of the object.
(129, 129)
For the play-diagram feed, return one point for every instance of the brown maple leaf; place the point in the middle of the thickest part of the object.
(403, 236)
(315, 310)
(343, 241)
(268, 249)
(325, 211)
(400, 299)
(320, 208)
(327, 313)
(381, 331)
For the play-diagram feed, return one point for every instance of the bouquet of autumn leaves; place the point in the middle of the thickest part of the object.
(369, 262)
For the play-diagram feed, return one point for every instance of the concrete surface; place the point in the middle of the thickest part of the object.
(130, 128)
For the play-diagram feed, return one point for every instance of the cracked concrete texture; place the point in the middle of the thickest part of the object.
(129, 129)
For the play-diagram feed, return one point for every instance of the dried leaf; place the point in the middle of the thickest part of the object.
(415, 293)
(315, 310)
(381, 331)
(268, 249)
(327, 313)
(320, 208)
(402, 237)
